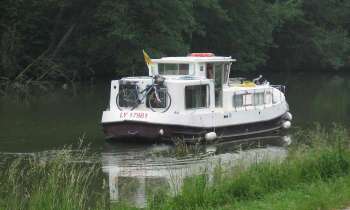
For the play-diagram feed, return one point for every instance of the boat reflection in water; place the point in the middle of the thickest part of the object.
(137, 171)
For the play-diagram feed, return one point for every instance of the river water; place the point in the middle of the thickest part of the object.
(62, 117)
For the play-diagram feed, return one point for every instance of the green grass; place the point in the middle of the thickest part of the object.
(64, 182)
(322, 158)
(334, 194)
(315, 175)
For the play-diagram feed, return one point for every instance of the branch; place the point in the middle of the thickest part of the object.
(63, 40)
(30, 65)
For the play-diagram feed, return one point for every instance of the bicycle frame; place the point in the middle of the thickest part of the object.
(145, 92)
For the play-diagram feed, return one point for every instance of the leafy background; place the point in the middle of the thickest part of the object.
(81, 39)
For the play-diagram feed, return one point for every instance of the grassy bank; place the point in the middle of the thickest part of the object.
(333, 194)
(315, 175)
(318, 157)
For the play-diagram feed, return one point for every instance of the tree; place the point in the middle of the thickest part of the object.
(316, 39)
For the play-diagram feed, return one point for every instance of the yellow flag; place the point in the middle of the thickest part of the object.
(148, 60)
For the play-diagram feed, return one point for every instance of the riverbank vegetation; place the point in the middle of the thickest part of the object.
(66, 181)
(317, 161)
(314, 175)
(64, 40)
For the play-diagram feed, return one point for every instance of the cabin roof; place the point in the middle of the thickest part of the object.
(192, 59)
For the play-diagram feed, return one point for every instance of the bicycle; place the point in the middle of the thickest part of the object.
(157, 97)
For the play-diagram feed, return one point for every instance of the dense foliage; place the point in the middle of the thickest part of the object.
(77, 39)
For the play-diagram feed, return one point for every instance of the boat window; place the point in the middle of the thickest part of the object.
(226, 72)
(241, 100)
(210, 71)
(258, 99)
(218, 78)
(196, 96)
(268, 97)
(237, 101)
(183, 69)
(173, 69)
(127, 96)
(247, 99)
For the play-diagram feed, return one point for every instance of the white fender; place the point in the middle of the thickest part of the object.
(211, 136)
(286, 124)
(289, 116)
(161, 132)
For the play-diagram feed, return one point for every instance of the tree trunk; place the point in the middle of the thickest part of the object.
(63, 40)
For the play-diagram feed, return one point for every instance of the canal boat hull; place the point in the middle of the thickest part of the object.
(132, 130)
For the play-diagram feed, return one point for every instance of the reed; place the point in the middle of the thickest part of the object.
(183, 148)
(67, 181)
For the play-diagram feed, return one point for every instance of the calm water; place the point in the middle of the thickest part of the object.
(60, 118)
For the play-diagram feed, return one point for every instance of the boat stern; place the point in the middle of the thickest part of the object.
(129, 124)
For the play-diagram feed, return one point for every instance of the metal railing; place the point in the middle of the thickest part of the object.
(281, 88)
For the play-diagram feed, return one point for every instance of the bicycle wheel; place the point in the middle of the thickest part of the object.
(159, 106)
(127, 100)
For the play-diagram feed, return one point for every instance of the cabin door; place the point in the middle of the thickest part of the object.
(215, 71)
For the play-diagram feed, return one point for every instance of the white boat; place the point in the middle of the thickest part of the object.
(192, 98)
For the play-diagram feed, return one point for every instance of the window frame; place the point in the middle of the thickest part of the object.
(177, 70)
(226, 72)
(207, 101)
(252, 99)
(268, 97)
(233, 100)
(256, 95)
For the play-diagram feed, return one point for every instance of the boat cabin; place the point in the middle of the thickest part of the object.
(196, 66)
